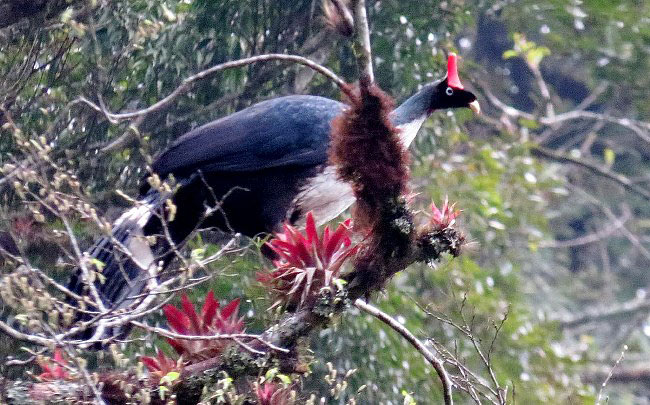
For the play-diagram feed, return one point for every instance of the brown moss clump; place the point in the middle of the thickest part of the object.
(368, 153)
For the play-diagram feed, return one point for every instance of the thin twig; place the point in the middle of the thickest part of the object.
(543, 89)
(231, 336)
(611, 372)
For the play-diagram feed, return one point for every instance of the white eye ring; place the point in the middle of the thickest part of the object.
(449, 91)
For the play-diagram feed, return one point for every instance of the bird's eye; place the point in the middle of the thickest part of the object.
(449, 91)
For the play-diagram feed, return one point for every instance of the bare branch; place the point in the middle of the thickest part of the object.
(617, 177)
(231, 336)
(613, 217)
(599, 235)
(435, 362)
(543, 89)
(188, 82)
(606, 314)
(593, 96)
(609, 375)
(25, 337)
(633, 125)
(640, 128)
(362, 42)
(498, 393)
(506, 109)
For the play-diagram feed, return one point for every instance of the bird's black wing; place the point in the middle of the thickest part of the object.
(291, 130)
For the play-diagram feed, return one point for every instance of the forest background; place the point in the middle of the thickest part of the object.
(553, 178)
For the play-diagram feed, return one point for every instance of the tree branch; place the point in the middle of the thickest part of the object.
(618, 178)
(435, 362)
(188, 82)
(230, 336)
(617, 224)
(639, 128)
(633, 125)
(362, 48)
(625, 310)
(316, 49)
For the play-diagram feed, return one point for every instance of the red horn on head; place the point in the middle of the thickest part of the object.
(452, 72)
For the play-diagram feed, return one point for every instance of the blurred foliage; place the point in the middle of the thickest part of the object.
(133, 53)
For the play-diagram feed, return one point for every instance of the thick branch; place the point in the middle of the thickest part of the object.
(362, 42)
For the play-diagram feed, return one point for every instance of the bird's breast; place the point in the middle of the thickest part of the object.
(324, 195)
(409, 130)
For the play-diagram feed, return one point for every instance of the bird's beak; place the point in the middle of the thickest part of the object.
(475, 106)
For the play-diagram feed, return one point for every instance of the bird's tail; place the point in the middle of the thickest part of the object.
(121, 260)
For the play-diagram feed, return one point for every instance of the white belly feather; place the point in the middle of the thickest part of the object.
(327, 196)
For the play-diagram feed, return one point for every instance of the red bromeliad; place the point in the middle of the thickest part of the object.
(211, 322)
(307, 262)
(445, 217)
(54, 369)
(161, 365)
(271, 394)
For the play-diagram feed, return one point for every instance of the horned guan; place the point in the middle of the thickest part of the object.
(247, 173)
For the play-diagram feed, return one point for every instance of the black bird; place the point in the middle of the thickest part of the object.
(257, 168)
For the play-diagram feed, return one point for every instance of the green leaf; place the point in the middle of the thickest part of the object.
(340, 283)
(97, 263)
(408, 398)
(271, 373)
(609, 156)
(170, 377)
(530, 124)
(162, 390)
(226, 383)
(510, 53)
(535, 55)
(286, 380)
(197, 254)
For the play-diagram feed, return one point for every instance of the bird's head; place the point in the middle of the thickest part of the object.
(450, 93)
